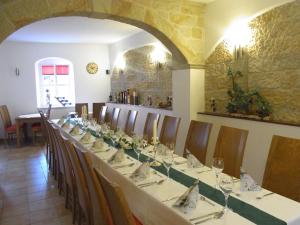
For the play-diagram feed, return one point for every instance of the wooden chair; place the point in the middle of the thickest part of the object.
(37, 128)
(115, 118)
(130, 122)
(169, 130)
(61, 174)
(282, 173)
(148, 128)
(78, 108)
(100, 210)
(230, 146)
(102, 115)
(197, 140)
(97, 109)
(119, 209)
(81, 186)
(109, 115)
(69, 181)
(9, 128)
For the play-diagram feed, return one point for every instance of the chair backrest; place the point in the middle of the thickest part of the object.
(282, 173)
(148, 128)
(109, 115)
(120, 212)
(5, 116)
(78, 108)
(197, 139)
(130, 122)
(101, 213)
(115, 118)
(96, 110)
(102, 115)
(59, 146)
(49, 111)
(44, 127)
(230, 146)
(81, 184)
(69, 175)
(169, 130)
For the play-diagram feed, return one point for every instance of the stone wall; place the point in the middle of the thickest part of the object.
(272, 64)
(145, 77)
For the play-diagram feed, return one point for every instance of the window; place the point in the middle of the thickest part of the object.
(54, 82)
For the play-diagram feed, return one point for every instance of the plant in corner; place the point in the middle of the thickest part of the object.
(243, 102)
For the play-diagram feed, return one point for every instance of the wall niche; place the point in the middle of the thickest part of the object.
(144, 76)
(272, 64)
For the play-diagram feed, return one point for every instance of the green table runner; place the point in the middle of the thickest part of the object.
(244, 209)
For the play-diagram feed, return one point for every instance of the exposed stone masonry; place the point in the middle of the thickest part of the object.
(142, 75)
(273, 64)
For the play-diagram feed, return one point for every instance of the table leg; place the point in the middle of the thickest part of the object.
(18, 133)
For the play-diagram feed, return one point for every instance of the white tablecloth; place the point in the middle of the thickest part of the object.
(149, 206)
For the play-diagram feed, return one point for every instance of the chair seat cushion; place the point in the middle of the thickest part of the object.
(11, 129)
(36, 125)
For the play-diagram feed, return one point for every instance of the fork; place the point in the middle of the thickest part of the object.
(151, 183)
(215, 216)
(261, 197)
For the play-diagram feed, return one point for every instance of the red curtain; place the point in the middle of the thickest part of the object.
(47, 70)
(62, 70)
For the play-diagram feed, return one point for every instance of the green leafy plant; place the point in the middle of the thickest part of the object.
(244, 102)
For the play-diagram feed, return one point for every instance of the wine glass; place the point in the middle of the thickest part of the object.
(168, 159)
(226, 186)
(218, 167)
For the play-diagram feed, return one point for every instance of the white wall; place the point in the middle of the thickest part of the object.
(221, 13)
(135, 41)
(258, 142)
(19, 93)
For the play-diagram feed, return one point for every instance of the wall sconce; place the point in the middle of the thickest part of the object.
(17, 71)
(120, 63)
(238, 37)
(158, 56)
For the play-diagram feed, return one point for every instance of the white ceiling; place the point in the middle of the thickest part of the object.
(74, 30)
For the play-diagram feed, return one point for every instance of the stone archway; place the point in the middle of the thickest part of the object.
(177, 24)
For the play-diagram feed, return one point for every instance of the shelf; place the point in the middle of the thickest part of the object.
(226, 115)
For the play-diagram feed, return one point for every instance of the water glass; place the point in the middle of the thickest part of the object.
(226, 186)
(218, 167)
(168, 160)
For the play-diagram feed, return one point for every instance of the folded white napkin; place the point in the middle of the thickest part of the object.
(141, 173)
(188, 201)
(86, 138)
(161, 149)
(118, 157)
(193, 162)
(248, 183)
(75, 130)
(98, 144)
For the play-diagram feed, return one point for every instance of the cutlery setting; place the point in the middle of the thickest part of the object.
(265, 195)
(157, 182)
(212, 216)
(122, 166)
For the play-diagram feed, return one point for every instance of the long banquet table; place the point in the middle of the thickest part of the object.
(153, 204)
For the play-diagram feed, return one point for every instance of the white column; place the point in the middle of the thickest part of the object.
(188, 99)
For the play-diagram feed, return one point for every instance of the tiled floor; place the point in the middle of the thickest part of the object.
(28, 193)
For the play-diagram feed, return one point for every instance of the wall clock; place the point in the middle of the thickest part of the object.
(92, 68)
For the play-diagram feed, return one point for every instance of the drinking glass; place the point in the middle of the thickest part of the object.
(168, 160)
(226, 186)
(218, 167)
